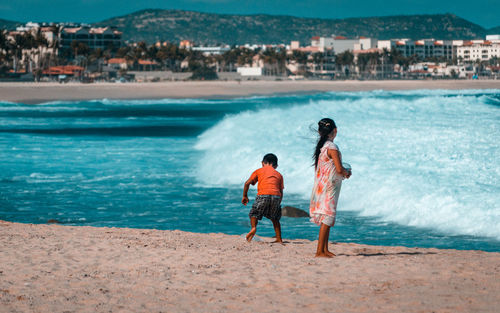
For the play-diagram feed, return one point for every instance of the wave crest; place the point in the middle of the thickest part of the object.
(425, 159)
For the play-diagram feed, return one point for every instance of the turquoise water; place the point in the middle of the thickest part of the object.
(426, 169)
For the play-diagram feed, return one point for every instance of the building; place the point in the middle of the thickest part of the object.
(47, 30)
(340, 44)
(50, 34)
(118, 63)
(493, 37)
(94, 38)
(294, 45)
(70, 70)
(30, 26)
(446, 49)
(160, 44)
(147, 65)
(365, 43)
(482, 50)
(424, 48)
(185, 44)
(249, 71)
(211, 50)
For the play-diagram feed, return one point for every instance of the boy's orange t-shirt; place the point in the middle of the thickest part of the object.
(270, 181)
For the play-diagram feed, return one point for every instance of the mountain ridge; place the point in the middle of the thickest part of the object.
(212, 28)
(6, 24)
(152, 25)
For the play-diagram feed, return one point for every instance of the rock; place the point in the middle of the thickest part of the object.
(290, 211)
(53, 221)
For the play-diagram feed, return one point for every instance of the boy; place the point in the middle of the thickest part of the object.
(269, 195)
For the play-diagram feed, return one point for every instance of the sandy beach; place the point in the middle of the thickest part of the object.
(54, 268)
(42, 92)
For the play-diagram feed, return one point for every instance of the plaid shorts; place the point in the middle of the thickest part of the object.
(268, 206)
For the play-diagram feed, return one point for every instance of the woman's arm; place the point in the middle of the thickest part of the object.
(334, 155)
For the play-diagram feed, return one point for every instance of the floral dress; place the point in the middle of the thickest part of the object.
(326, 190)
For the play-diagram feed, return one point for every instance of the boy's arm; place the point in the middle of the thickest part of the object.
(244, 200)
(281, 188)
(251, 181)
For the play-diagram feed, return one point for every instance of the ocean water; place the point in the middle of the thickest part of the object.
(426, 164)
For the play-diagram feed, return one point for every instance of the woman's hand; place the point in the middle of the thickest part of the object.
(334, 155)
(349, 173)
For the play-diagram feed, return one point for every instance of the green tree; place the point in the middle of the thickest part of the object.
(203, 72)
(345, 60)
(4, 52)
(79, 48)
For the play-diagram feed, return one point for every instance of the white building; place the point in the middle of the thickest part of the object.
(365, 43)
(341, 44)
(249, 71)
(47, 31)
(211, 50)
(28, 27)
(482, 51)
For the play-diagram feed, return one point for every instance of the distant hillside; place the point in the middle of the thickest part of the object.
(5, 24)
(209, 28)
(494, 31)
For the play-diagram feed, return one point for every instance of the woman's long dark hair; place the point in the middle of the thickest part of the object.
(325, 127)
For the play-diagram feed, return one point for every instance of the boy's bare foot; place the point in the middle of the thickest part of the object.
(323, 255)
(278, 241)
(251, 234)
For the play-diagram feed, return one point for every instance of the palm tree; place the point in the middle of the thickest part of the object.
(96, 56)
(276, 59)
(4, 53)
(345, 60)
(3, 42)
(40, 43)
(374, 62)
(362, 63)
(21, 42)
(230, 58)
(494, 61)
(54, 46)
(318, 60)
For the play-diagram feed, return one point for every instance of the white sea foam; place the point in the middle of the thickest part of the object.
(428, 159)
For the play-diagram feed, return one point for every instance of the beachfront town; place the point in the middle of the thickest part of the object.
(79, 52)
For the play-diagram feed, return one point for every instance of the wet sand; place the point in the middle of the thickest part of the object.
(54, 268)
(43, 92)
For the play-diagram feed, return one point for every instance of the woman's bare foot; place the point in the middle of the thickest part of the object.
(323, 255)
(278, 241)
(251, 234)
(331, 254)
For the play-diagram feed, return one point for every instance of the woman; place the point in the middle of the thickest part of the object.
(327, 183)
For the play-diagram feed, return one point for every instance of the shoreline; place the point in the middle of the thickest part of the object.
(392, 245)
(49, 268)
(34, 93)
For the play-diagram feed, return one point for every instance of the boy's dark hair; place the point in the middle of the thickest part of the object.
(270, 159)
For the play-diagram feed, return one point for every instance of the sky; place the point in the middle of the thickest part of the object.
(485, 13)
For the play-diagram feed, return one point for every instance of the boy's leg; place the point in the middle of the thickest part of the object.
(277, 230)
(324, 231)
(253, 230)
